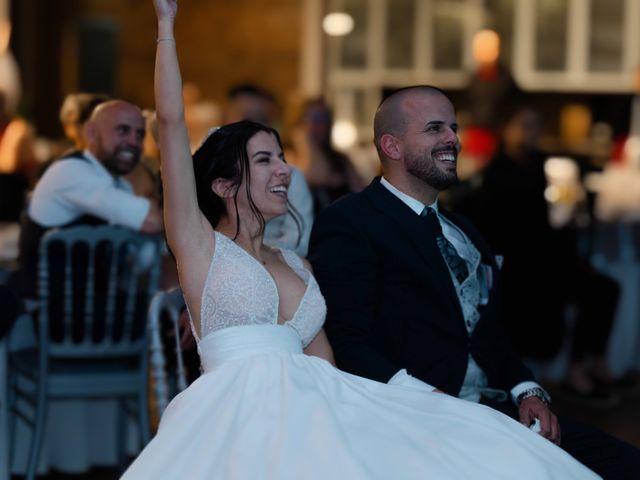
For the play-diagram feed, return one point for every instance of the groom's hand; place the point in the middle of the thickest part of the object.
(532, 408)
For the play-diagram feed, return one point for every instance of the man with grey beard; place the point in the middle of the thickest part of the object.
(413, 292)
(86, 187)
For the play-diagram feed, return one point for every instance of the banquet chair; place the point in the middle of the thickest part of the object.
(94, 287)
(166, 306)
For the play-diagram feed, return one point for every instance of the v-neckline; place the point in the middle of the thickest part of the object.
(272, 279)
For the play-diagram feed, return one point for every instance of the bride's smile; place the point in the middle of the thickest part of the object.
(269, 176)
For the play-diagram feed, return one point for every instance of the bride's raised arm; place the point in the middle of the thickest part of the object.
(187, 229)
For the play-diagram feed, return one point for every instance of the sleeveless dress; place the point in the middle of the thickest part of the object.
(263, 409)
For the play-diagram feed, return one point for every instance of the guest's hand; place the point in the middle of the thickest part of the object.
(532, 408)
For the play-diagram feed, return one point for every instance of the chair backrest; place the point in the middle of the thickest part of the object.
(165, 304)
(94, 287)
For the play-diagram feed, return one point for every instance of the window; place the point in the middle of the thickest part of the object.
(555, 45)
(576, 45)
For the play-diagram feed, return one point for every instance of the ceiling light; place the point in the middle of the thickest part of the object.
(337, 24)
(344, 134)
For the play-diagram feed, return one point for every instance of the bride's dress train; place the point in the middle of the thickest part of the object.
(264, 410)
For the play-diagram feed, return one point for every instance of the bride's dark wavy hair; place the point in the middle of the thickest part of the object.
(223, 154)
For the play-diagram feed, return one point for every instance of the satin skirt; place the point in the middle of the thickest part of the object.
(265, 410)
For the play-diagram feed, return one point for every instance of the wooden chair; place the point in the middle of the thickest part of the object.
(94, 287)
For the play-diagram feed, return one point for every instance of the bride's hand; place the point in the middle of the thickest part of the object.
(166, 9)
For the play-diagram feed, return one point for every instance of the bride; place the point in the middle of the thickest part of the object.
(271, 404)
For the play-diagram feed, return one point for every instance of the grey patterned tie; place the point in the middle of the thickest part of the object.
(456, 263)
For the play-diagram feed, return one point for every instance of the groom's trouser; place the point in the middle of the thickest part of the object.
(609, 457)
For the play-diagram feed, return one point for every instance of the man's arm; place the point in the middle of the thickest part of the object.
(345, 266)
(507, 367)
(153, 222)
(80, 189)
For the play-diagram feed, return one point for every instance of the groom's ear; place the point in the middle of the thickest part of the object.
(390, 146)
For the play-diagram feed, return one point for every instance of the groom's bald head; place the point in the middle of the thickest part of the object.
(391, 115)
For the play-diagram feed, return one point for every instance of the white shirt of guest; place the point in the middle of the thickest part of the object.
(74, 187)
(475, 380)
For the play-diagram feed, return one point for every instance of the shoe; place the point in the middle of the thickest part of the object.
(597, 398)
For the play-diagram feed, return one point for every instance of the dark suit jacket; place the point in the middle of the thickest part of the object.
(391, 302)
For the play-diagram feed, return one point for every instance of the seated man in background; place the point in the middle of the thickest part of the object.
(329, 172)
(75, 113)
(86, 187)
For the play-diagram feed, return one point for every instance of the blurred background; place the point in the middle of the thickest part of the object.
(351, 51)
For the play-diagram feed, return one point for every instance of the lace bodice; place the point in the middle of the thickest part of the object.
(240, 291)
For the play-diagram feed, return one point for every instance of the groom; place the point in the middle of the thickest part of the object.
(413, 292)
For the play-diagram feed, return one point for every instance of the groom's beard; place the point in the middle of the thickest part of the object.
(425, 168)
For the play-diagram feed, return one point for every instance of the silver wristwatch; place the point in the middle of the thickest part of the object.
(534, 392)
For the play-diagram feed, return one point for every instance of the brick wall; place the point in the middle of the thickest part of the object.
(220, 43)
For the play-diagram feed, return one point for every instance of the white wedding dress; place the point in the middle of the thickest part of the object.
(263, 409)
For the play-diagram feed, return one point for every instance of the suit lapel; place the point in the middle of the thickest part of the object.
(472, 235)
(418, 234)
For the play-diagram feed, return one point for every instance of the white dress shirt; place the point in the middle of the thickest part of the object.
(73, 187)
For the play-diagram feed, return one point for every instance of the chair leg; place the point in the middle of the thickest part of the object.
(11, 418)
(121, 434)
(38, 431)
(143, 418)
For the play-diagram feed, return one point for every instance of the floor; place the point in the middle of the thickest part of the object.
(622, 421)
